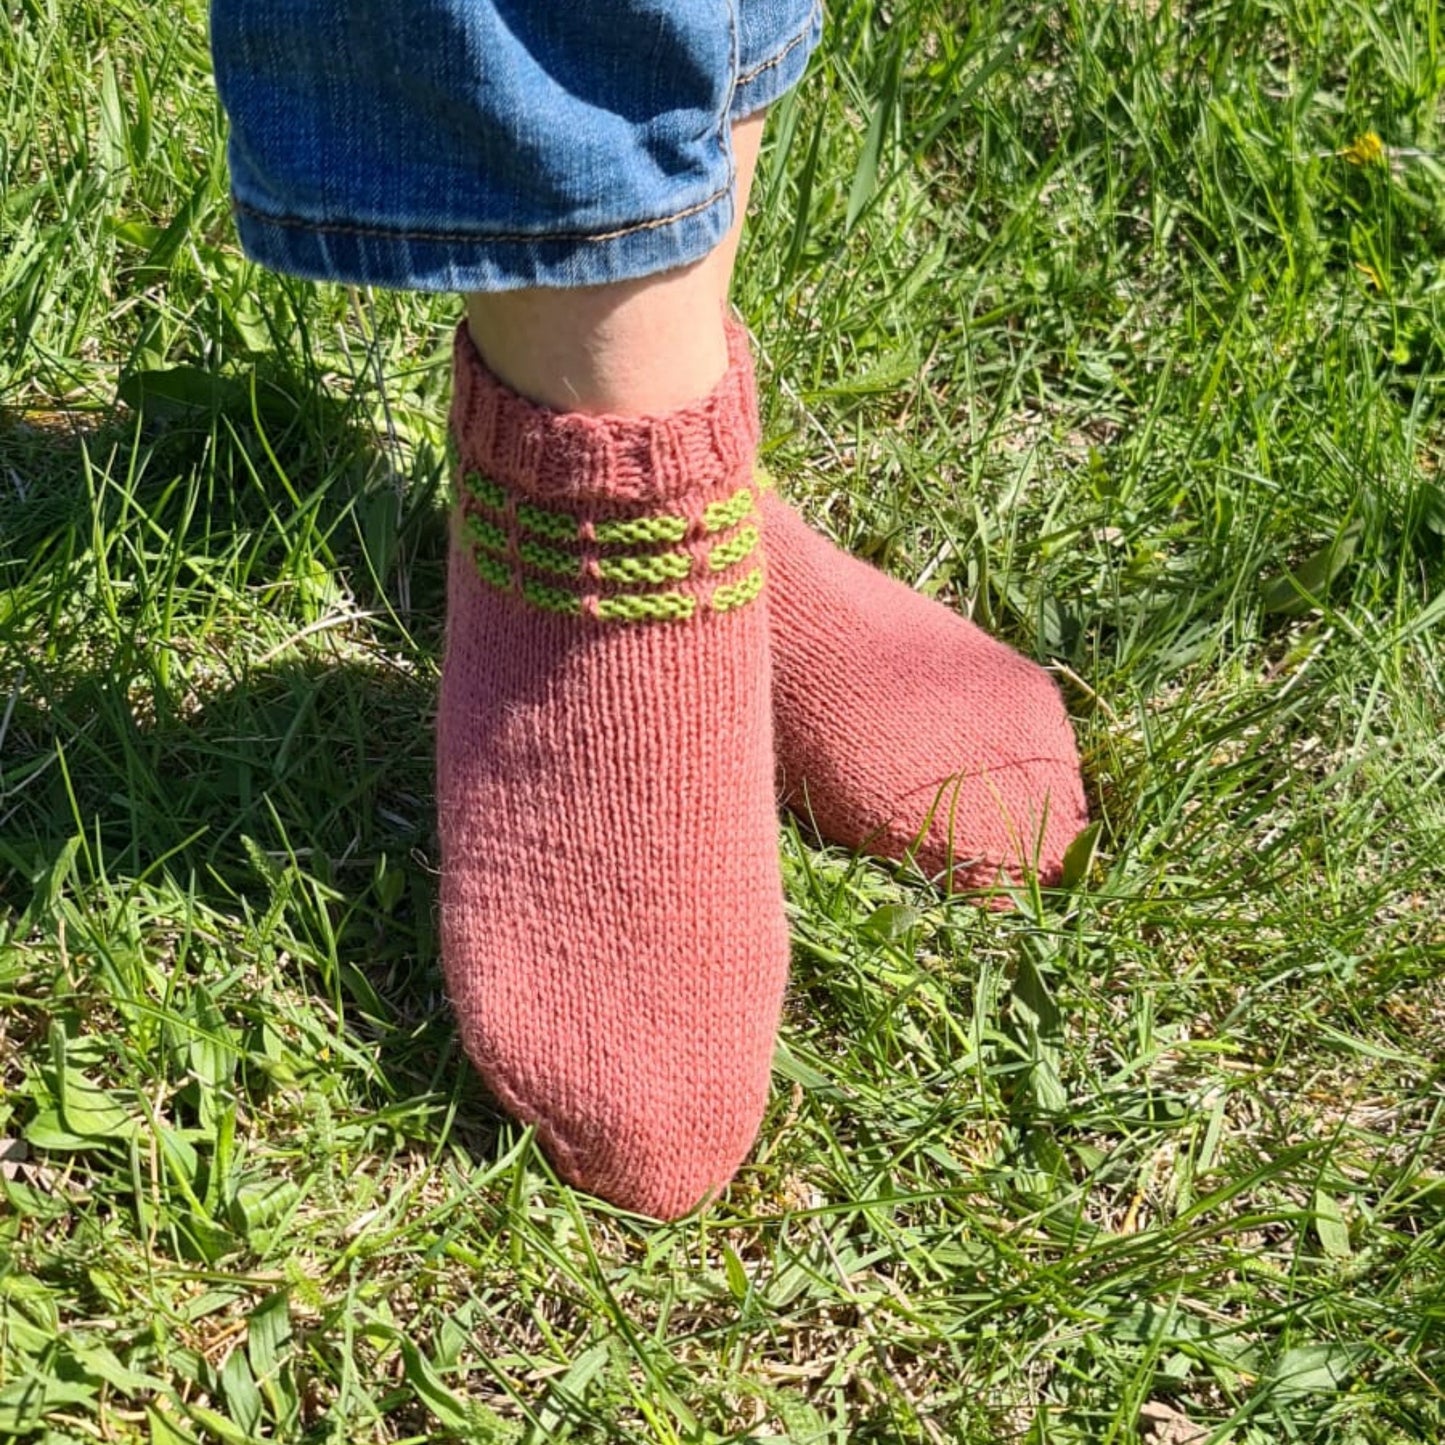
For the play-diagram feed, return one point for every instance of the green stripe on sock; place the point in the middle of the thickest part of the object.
(486, 534)
(556, 525)
(738, 593)
(666, 528)
(656, 607)
(485, 490)
(550, 599)
(727, 554)
(549, 559)
(493, 570)
(665, 567)
(497, 541)
(719, 516)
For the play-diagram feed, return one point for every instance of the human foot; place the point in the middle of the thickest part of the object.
(611, 911)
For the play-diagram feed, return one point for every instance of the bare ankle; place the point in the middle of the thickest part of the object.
(635, 348)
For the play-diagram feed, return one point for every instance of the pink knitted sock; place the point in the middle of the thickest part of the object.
(904, 730)
(611, 910)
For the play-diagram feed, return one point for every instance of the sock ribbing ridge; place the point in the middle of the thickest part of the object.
(649, 461)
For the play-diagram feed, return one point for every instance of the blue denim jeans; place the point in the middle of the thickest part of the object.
(480, 145)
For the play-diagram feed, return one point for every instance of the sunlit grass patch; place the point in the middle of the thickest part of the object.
(1119, 329)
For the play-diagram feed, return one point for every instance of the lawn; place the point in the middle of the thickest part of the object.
(1120, 328)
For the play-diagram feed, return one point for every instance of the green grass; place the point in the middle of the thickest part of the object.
(1101, 323)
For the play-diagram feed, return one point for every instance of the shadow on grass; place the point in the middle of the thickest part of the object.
(268, 452)
(291, 817)
(179, 775)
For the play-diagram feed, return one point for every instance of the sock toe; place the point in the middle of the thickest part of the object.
(906, 731)
(1020, 797)
(663, 1161)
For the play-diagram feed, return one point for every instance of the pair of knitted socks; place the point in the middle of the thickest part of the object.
(643, 642)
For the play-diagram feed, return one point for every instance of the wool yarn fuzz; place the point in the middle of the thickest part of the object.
(612, 922)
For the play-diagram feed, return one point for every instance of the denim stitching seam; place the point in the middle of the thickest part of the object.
(783, 54)
(351, 228)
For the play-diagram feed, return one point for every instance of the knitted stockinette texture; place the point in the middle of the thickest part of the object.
(611, 908)
(905, 731)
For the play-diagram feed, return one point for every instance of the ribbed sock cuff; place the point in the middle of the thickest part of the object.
(556, 456)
